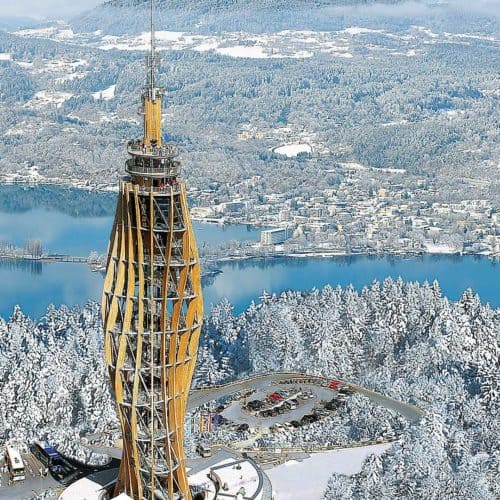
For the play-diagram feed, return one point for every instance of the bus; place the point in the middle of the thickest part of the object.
(45, 453)
(15, 464)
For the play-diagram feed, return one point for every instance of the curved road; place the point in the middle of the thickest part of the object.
(201, 396)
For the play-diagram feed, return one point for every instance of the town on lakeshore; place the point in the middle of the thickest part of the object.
(351, 218)
(355, 217)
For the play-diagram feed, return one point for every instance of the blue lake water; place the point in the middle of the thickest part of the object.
(34, 286)
(78, 236)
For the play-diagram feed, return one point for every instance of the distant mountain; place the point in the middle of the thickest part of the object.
(231, 4)
(129, 16)
(15, 23)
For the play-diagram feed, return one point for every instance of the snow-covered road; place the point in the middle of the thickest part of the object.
(201, 396)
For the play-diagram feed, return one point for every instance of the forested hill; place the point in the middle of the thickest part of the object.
(230, 4)
(120, 16)
(405, 340)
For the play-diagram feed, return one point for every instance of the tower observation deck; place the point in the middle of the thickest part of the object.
(152, 308)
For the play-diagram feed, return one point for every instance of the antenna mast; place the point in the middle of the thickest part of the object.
(151, 94)
(152, 57)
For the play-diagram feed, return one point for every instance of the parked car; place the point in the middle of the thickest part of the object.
(255, 404)
(204, 450)
(309, 419)
(335, 384)
(332, 405)
(320, 412)
(276, 397)
(347, 391)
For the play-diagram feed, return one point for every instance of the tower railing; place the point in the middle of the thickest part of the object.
(170, 169)
(138, 148)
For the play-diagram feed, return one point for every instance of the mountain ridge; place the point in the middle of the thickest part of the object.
(129, 16)
(221, 4)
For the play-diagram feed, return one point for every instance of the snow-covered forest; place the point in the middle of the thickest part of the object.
(403, 339)
(411, 94)
(52, 378)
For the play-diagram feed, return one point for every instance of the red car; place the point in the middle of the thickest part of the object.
(335, 384)
(275, 397)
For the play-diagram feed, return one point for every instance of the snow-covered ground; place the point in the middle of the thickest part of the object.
(251, 51)
(392, 124)
(359, 166)
(106, 94)
(60, 65)
(292, 150)
(309, 478)
(283, 44)
(63, 68)
(235, 474)
(47, 98)
(356, 30)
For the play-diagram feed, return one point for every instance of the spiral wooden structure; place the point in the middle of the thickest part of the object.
(152, 310)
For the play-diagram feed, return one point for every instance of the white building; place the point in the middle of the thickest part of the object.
(275, 236)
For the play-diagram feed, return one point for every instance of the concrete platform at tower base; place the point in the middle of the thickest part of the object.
(98, 486)
(222, 476)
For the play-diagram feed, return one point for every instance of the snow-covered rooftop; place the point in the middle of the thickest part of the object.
(83, 489)
(234, 476)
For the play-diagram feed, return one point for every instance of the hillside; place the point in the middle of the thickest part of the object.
(403, 339)
(233, 15)
(238, 4)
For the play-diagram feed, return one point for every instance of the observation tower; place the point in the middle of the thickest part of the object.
(152, 308)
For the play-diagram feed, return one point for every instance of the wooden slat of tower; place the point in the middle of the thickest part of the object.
(139, 329)
(179, 382)
(166, 337)
(151, 330)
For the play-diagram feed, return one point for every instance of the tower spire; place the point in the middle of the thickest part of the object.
(152, 95)
(152, 57)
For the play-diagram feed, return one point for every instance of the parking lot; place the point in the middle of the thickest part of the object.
(282, 407)
(39, 479)
(35, 482)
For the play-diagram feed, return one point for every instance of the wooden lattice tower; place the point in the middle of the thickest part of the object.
(152, 309)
